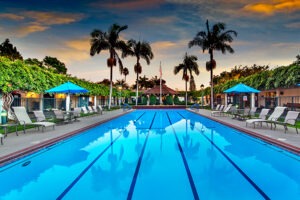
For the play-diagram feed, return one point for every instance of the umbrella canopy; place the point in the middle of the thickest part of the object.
(241, 88)
(164, 90)
(68, 87)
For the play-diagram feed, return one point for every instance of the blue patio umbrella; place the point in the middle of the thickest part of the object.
(68, 88)
(241, 88)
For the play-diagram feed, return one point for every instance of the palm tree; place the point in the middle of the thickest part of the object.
(125, 72)
(189, 65)
(109, 41)
(139, 50)
(217, 39)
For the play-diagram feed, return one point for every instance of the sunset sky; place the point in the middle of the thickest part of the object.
(268, 32)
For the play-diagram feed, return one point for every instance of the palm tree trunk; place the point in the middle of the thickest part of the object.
(137, 88)
(110, 87)
(211, 81)
(185, 93)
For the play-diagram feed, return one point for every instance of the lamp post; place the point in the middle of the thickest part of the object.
(202, 87)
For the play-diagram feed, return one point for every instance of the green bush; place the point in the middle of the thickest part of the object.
(169, 100)
(152, 100)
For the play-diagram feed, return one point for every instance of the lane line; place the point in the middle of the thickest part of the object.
(137, 169)
(85, 170)
(89, 166)
(258, 189)
(188, 171)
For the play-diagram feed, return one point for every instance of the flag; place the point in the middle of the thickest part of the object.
(160, 71)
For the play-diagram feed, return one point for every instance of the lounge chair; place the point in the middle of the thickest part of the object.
(100, 109)
(85, 111)
(290, 119)
(23, 119)
(272, 118)
(217, 110)
(252, 111)
(61, 116)
(242, 115)
(125, 106)
(195, 106)
(77, 113)
(39, 115)
(222, 112)
(91, 110)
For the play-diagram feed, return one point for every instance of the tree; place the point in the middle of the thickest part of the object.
(189, 65)
(125, 72)
(297, 62)
(139, 50)
(53, 63)
(109, 41)
(105, 82)
(214, 39)
(9, 51)
(34, 61)
(156, 81)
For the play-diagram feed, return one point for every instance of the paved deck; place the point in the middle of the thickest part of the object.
(16, 146)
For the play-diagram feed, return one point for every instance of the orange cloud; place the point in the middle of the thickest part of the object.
(50, 18)
(129, 5)
(272, 7)
(161, 20)
(11, 16)
(26, 30)
(80, 44)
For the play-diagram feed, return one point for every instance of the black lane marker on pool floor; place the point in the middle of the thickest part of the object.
(89, 166)
(188, 171)
(85, 170)
(137, 169)
(265, 196)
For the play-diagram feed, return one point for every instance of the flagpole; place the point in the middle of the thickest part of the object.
(160, 100)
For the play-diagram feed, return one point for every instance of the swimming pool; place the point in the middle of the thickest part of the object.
(155, 154)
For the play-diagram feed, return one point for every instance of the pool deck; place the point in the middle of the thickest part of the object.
(15, 146)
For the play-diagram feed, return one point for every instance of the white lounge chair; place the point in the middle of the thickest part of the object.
(220, 112)
(272, 118)
(100, 109)
(77, 113)
(23, 119)
(85, 111)
(39, 115)
(290, 119)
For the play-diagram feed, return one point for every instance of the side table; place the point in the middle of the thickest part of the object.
(5, 127)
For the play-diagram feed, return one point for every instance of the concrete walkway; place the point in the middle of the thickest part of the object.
(16, 146)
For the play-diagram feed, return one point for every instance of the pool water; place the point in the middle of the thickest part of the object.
(155, 154)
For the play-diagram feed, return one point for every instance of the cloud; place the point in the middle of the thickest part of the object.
(26, 30)
(295, 25)
(33, 21)
(161, 20)
(272, 7)
(11, 16)
(128, 5)
(80, 44)
(51, 18)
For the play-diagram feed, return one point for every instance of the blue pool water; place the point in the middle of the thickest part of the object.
(155, 154)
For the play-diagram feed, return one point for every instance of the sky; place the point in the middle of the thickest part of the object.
(268, 33)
